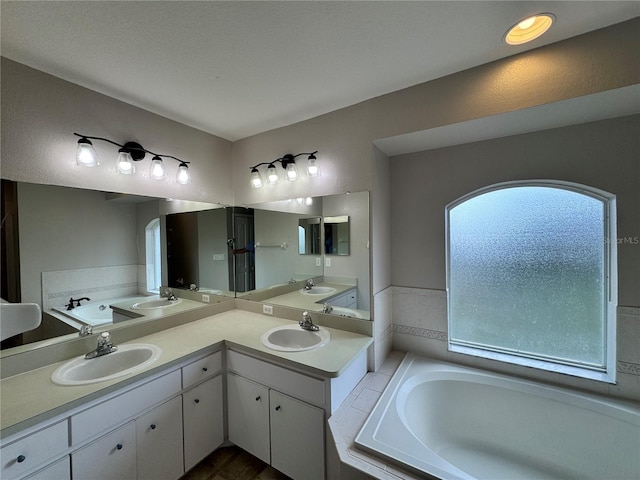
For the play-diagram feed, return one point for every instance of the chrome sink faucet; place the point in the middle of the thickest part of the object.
(168, 294)
(307, 324)
(309, 285)
(104, 346)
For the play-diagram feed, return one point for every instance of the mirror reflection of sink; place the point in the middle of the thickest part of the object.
(292, 338)
(127, 359)
(153, 304)
(319, 291)
(346, 312)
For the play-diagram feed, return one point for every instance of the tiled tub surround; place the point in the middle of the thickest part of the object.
(458, 423)
(96, 283)
(420, 326)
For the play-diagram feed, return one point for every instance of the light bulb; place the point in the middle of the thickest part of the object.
(292, 172)
(156, 170)
(308, 201)
(125, 162)
(526, 23)
(86, 156)
(256, 179)
(313, 169)
(272, 174)
(183, 177)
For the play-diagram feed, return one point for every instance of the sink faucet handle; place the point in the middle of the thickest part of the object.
(104, 338)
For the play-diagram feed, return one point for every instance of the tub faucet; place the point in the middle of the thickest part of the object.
(327, 308)
(307, 324)
(309, 285)
(71, 306)
(104, 346)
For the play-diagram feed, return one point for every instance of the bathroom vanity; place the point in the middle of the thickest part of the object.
(160, 422)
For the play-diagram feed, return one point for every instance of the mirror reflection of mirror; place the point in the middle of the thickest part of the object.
(336, 235)
(309, 236)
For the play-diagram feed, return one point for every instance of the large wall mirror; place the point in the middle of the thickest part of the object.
(289, 239)
(78, 242)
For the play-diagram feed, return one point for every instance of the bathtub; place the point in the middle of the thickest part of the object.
(96, 312)
(454, 422)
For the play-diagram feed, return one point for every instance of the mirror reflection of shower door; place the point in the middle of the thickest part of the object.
(245, 260)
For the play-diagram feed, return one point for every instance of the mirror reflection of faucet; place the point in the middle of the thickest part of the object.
(71, 306)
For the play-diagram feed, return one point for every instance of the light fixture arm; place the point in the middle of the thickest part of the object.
(136, 150)
(285, 160)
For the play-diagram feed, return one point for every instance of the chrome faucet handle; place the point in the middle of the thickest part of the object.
(327, 308)
(85, 330)
(104, 339)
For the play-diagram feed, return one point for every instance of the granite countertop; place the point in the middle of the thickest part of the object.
(31, 397)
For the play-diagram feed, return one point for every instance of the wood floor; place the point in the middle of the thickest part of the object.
(232, 463)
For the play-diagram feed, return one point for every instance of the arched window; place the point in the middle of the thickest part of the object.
(154, 256)
(531, 276)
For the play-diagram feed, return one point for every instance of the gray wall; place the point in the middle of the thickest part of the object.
(599, 154)
(70, 228)
(40, 113)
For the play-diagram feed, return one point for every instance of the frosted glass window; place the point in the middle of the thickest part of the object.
(527, 274)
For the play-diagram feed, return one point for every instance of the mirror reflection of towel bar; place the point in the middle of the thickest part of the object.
(283, 245)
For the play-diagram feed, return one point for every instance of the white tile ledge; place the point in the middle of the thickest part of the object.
(344, 429)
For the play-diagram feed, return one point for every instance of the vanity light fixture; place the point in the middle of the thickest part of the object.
(529, 28)
(288, 162)
(128, 154)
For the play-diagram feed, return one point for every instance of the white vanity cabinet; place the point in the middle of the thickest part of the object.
(34, 450)
(276, 427)
(203, 408)
(159, 442)
(248, 416)
(111, 457)
(347, 299)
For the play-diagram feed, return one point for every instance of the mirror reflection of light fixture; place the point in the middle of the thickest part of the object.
(129, 153)
(288, 162)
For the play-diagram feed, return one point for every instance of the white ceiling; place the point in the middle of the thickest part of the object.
(238, 68)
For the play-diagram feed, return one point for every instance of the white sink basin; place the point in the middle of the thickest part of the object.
(154, 304)
(346, 312)
(127, 359)
(292, 338)
(319, 291)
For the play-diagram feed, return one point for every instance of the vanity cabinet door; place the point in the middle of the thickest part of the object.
(60, 470)
(248, 416)
(203, 420)
(297, 437)
(159, 442)
(111, 457)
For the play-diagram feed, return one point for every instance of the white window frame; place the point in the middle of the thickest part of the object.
(608, 374)
(153, 256)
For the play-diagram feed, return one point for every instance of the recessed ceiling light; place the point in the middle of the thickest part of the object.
(529, 28)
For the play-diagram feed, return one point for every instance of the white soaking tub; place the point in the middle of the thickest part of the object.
(454, 422)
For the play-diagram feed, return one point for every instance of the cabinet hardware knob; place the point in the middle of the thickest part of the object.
(204, 369)
(258, 398)
(153, 426)
(278, 408)
(21, 458)
(119, 446)
(197, 400)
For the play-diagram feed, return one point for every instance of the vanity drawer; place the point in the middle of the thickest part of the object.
(33, 450)
(293, 383)
(201, 369)
(103, 416)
